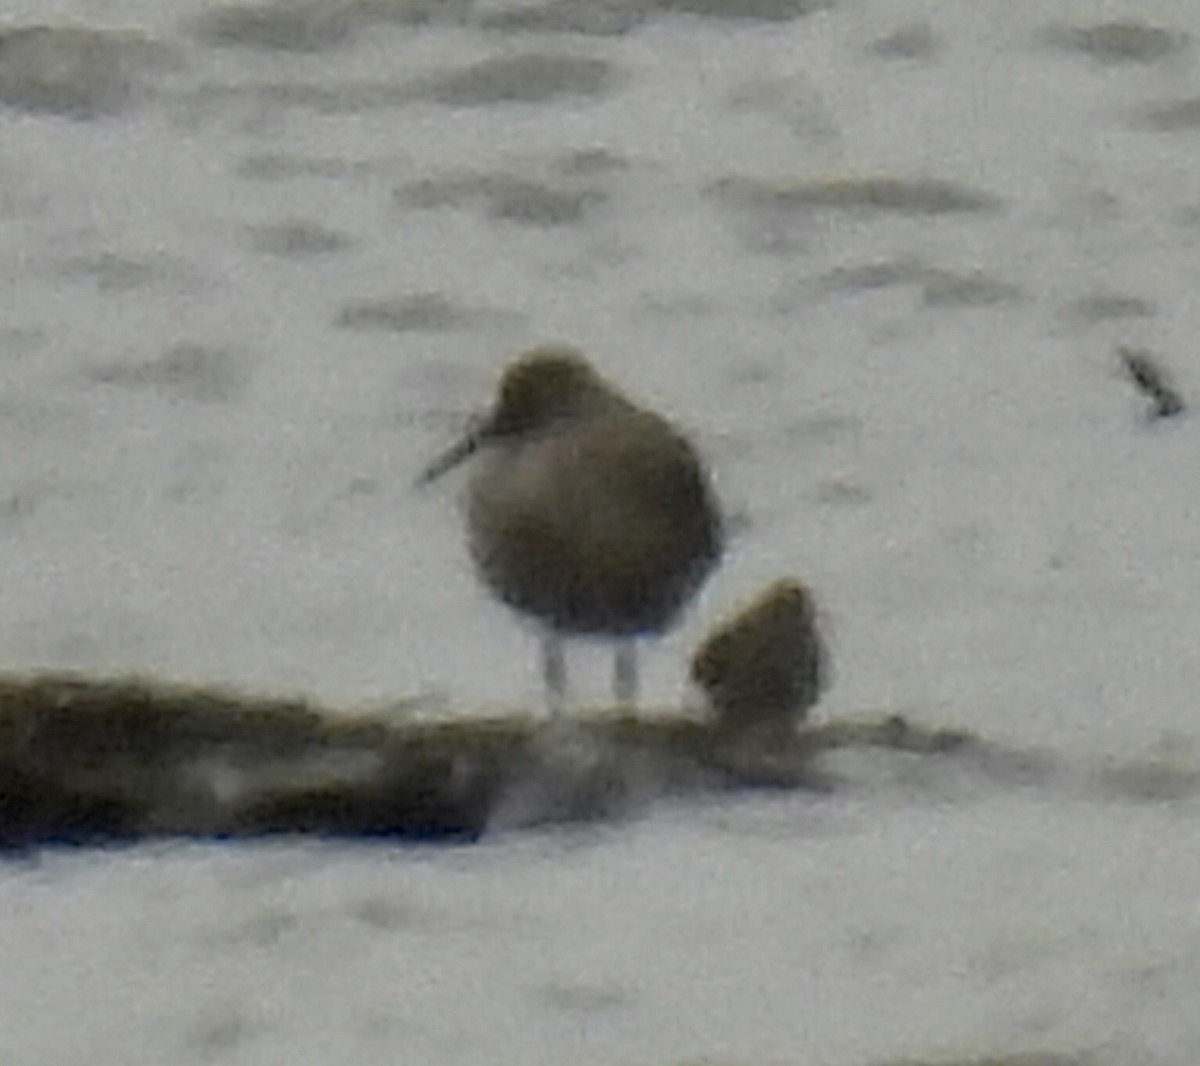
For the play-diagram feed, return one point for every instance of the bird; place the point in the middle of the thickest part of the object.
(768, 666)
(588, 513)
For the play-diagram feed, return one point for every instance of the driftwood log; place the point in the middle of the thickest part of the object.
(87, 761)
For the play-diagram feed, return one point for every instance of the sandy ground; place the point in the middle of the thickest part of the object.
(260, 265)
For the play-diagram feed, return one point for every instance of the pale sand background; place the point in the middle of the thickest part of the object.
(258, 268)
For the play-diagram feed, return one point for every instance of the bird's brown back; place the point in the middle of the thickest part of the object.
(769, 663)
(604, 523)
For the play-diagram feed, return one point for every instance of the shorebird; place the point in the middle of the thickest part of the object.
(586, 512)
(768, 665)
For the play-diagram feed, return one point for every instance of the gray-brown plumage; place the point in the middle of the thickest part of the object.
(769, 665)
(587, 512)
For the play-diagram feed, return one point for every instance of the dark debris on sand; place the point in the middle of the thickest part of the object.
(91, 762)
(1147, 374)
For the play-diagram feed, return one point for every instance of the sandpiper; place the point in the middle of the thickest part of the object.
(768, 665)
(590, 514)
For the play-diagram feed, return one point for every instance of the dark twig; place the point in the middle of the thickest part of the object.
(1148, 376)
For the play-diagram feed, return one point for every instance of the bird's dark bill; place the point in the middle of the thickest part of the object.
(457, 453)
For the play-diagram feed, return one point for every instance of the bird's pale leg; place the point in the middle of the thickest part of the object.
(625, 674)
(554, 671)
